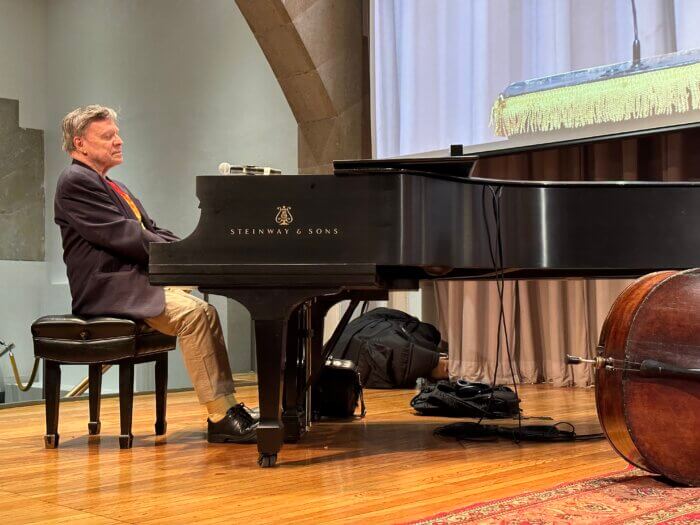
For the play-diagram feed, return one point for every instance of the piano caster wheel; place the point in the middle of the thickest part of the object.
(161, 428)
(267, 460)
(126, 441)
(51, 441)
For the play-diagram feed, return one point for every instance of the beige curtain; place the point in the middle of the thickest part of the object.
(548, 319)
(545, 320)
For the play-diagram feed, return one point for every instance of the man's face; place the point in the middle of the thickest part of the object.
(101, 144)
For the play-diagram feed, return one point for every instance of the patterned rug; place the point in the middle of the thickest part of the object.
(629, 497)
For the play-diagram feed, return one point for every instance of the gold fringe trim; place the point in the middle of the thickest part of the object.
(636, 96)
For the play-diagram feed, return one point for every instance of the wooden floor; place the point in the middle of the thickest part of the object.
(387, 468)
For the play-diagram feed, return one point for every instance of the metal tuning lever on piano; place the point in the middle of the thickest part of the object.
(228, 169)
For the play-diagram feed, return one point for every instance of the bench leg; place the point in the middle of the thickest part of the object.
(95, 391)
(52, 393)
(161, 393)
(126, 402)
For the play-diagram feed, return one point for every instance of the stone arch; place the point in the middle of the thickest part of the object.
(318, 52)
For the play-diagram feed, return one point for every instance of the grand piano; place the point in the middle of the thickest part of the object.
(289, 247)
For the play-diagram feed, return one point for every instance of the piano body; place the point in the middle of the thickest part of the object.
(289, 247)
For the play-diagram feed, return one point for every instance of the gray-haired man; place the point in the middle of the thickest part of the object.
(106, 232)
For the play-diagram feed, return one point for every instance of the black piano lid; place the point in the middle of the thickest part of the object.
(460, 167)
(450, 167)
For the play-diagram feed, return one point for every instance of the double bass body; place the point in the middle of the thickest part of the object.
(648, 375)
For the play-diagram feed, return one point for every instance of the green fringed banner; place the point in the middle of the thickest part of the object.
(646, 92)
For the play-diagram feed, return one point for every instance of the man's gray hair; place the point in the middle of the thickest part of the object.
(76, 121)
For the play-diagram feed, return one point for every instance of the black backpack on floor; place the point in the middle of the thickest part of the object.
(466, 399)
(391, 348)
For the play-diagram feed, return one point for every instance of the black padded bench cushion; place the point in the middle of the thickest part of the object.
(72, 339)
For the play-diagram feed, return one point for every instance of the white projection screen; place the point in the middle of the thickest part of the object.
(510, 73)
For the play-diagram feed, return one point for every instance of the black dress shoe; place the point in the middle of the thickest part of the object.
(238, 426)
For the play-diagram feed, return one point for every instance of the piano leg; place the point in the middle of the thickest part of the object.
(270, 339)
(270, 309)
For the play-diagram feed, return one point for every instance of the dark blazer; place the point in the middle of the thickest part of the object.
(105, 248)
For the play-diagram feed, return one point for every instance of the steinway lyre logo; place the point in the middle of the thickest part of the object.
(284, 215)
(284, 219)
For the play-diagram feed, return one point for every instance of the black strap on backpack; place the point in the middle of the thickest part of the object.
(392, 349)
(332, 342)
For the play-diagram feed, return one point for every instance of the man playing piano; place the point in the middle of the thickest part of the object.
(106, 234)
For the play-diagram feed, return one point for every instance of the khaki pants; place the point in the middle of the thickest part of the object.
(196, 324)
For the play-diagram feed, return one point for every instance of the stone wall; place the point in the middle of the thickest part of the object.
(318, 51)
(21, 187)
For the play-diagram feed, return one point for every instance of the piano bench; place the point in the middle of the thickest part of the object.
(100, 342)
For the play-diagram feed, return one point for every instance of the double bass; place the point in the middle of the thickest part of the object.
(648, 375)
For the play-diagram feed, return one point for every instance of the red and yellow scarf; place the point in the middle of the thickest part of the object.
(127, 198)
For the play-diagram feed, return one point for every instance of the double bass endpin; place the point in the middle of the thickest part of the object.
(598, 362)
(647, 368)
